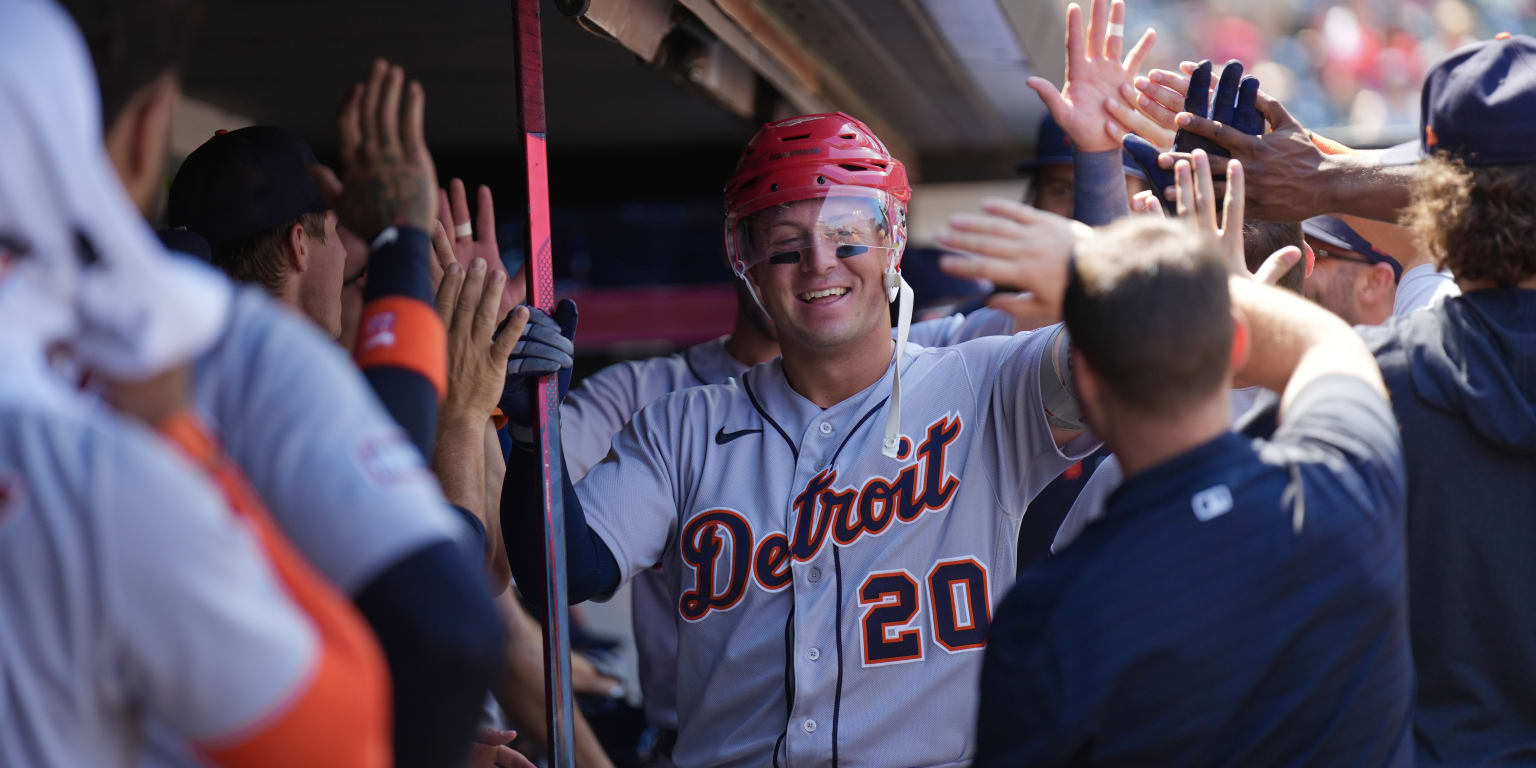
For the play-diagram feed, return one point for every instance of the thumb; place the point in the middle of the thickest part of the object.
(1277, 265)
(1054, 102)
(1278, 116)
(566, 317)
(330, 186)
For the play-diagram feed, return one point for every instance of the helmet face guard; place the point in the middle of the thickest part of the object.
(846, 221)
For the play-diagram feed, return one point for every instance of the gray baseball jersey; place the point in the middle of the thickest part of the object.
(127, 591)
(603, 403)
(339, 476)
(820, 588)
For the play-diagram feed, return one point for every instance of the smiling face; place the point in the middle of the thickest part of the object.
(819, 271)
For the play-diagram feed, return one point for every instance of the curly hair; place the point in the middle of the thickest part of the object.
(1479, 222)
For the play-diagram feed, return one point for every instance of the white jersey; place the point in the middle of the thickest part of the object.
(822, 590)
(603, 403)
(1422, 286)
(339, 476)
(128, 591)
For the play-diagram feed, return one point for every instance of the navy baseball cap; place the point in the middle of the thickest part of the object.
(1054, 147)
(1331, 231)
(183, 240)
(1478, 106)
(242, 182)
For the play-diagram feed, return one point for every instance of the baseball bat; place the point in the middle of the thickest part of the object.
(541, 294)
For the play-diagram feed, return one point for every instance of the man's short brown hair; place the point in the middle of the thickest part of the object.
(1479, 222)
(1263, 238)
(1148, 307)
(258, 258)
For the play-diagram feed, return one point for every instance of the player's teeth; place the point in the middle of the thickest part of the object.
(809, 295)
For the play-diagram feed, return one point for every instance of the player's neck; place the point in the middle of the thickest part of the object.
(748, 345)
(828, 377)
(1142, 442)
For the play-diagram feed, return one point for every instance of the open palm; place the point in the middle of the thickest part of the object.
(1095, 75)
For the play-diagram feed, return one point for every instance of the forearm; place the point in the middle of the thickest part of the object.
(1357, 184)
(459, 465)
(590, 567)
(1098, 191)
(401, 345)
(443, 643)
(521, 692)
(1292, 341)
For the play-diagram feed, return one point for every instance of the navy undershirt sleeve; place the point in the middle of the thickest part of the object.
(474, 546)
(443, 642)
(1098, 187)
(400, 268)
(591, 570)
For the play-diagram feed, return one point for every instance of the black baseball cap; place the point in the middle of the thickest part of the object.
(241, 182)
(1054, 147)
(1331, 231)
(1478, 106)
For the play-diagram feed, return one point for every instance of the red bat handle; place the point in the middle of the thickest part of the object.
(541, 294)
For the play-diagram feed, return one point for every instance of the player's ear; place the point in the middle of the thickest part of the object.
(1240, 340)
(1311, 258)
(295, 249)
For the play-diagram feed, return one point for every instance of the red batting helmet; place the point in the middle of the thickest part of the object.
(810, 157)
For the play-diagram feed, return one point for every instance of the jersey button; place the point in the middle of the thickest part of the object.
(814, 576)
(810, 726)
(826, 428)
(813, 654)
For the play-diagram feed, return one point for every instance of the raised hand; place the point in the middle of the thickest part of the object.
(1196, 196)
(1095, 75)
(1018, 246)
(387, 175)
(1284, 163)
(478, 239)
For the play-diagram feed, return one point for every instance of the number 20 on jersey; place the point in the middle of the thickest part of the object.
(959, 611)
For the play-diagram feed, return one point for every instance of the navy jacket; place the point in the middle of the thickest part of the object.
(1463, 380)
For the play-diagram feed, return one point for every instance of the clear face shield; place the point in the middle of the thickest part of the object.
(846, 221)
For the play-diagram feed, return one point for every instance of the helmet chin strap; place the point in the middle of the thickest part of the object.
(896, 289)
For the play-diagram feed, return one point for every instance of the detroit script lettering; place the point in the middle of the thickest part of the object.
(820, 509)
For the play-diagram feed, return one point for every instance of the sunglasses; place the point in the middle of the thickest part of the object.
(1324, 253)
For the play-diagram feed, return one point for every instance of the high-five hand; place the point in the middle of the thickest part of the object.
(1095, 75)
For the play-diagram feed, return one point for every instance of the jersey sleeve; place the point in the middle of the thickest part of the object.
(1090, 501)
(593, 413)
(342, 479)
(1342, 421)
(210, 640)
(949, 331)
(631, 498)
(1019, 446)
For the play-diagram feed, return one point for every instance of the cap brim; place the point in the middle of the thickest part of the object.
(1025, 166)
(1406, 153)
(1324, 236)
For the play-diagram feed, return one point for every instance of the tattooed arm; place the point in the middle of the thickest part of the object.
(388, 195)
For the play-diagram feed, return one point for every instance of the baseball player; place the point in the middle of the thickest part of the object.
(604, 402)
(126, 584)
(1243, 602)
(344, 482)
(834, 527)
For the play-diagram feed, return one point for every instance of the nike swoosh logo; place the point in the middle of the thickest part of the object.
(722, 437)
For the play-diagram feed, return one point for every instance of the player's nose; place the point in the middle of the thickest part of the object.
(819, 258)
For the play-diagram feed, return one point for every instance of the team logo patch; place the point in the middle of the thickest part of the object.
(391, 459)
(379, 332)
(1212, 503)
